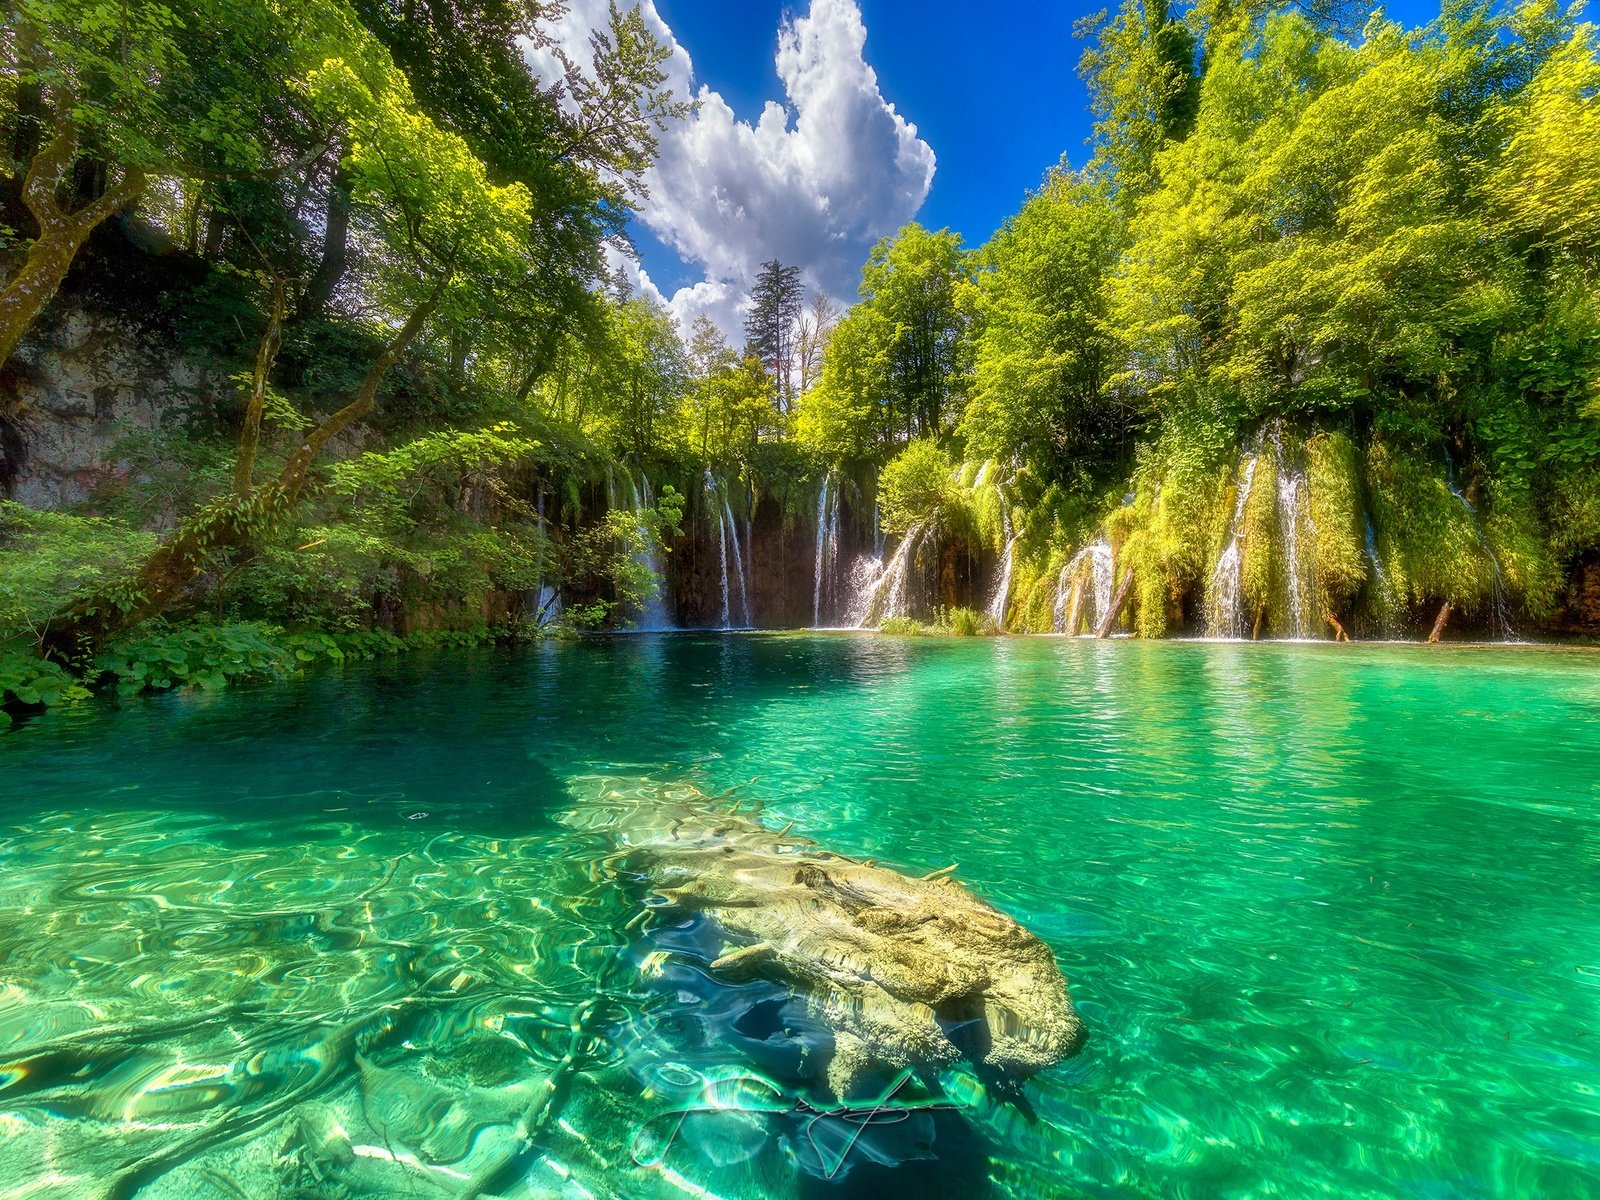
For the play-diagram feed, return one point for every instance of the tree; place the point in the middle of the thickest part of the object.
(811, 338)
(448, 235)
(913, 281)
(1043, 348)
(769, 327)
(109, 95)
(1143, 89)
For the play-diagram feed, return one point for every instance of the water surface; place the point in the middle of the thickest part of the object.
(1330, 913)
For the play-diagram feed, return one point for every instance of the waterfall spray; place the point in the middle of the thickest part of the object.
(1087, 577)
(889, 596)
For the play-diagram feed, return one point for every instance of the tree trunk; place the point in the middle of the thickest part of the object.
(335, 242)
(1439, 623)
(250, 436)
(1117, 602)
(1339, 635)
(61, 234)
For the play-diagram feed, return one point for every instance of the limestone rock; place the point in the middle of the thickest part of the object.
(907, 972)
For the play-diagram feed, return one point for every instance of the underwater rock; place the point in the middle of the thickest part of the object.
(906, 972)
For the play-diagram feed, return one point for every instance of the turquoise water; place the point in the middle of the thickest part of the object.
(1330, 914)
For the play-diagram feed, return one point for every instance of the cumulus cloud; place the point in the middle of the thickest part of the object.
(814, 181)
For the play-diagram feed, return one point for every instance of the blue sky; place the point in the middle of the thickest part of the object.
(826, 124)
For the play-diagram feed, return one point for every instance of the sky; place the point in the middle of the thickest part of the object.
(825, 125)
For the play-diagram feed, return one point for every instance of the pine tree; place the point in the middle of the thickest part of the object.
(775, 304)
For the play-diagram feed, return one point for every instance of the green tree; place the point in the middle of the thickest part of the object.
(1043, 349)
(770, 327)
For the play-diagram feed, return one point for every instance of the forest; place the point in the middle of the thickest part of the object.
(1305, 345)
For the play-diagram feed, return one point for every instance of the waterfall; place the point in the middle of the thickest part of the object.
(727, 532)
(732, 527)
(722, 542)
(1223, 616)
(1291, 486)
(653, 617)
(1385, 603)
(889, 596)
(825, 584)
(1002, 591)
(860, 587)
(546, 602)
(1090, 567)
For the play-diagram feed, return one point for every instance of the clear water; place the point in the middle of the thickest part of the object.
(1332, 915)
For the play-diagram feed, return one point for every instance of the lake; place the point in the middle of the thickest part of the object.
(1331, 915)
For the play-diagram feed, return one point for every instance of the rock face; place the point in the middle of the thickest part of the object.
(907, 973)
(81, 382)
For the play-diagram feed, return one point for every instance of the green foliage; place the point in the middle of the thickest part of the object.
(1042, 349)
(963, 622)
(894, 365)
(1428, 539)
(915, 486)
(27, 680)
(1336, 510)
(50, 559)
(903, 627)
(209, 657)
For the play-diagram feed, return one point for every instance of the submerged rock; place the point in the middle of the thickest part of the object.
(907, 973)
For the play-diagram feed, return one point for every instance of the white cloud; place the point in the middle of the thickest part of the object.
(814, 181)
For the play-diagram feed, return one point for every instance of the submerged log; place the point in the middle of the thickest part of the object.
(906, 973)
(1439, 623)
(1117, 602)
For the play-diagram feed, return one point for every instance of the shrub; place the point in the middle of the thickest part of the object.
(26, 679)
(915, 486)
(964, 622)
(903, 627)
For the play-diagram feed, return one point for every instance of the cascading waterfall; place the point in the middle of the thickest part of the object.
(732, 527)
(654, 617)
(1002, 591)
(890, 595)
(1291, 489)
(728, 533)
(1087, 578)
(860, 587)
(546, 603)
(1224, 617)
(1499, 601)
(825, 585)
(1385, 602)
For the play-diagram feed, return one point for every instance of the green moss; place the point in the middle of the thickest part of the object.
(1338, 528)
(1428, 540)
(1522, 548)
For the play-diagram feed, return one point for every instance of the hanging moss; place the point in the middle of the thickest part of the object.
(1521, 546)
(1428, 538)
(1338, 523)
